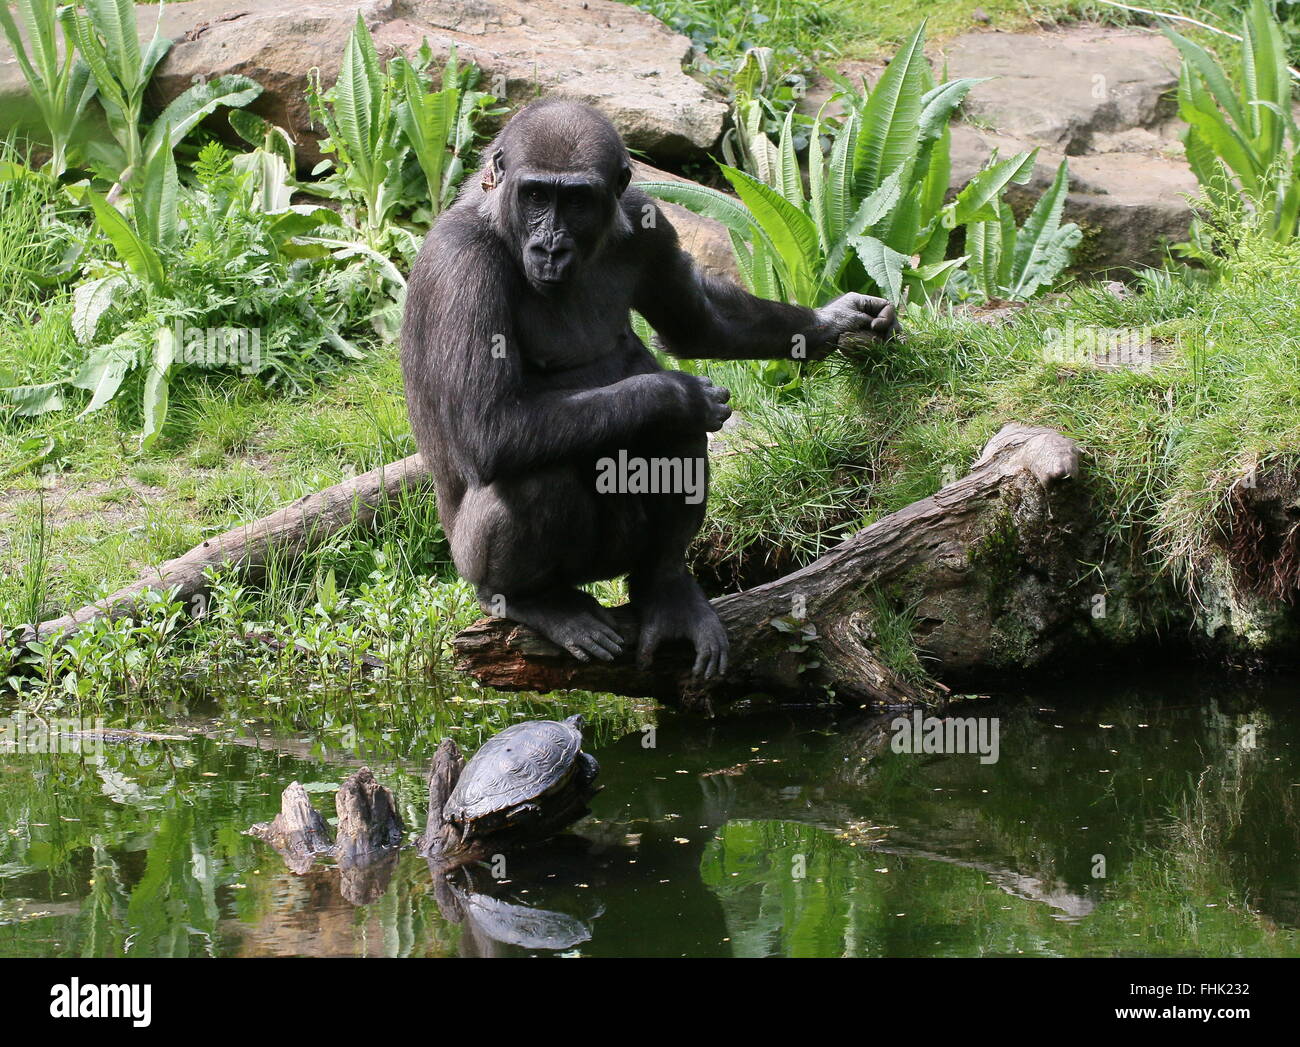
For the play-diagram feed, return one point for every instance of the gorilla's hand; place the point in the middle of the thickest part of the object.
(859, 314)
(700, 403)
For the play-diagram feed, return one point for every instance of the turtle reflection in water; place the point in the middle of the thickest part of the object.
(525, 784)
(490, 915)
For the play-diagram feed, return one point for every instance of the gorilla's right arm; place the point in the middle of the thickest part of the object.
(466, 389)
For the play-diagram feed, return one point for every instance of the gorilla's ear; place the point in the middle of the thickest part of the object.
(494, 171)
(624, 177)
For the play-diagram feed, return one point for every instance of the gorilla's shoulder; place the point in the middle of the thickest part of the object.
(637, 205)
(461, 236)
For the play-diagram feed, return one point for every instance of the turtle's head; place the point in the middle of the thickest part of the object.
(576, 721)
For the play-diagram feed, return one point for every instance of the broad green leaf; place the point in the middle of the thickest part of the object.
(791, 180)
(139, 256)
(156, 385)
(158, 198)
(890, 128)
(788, 229)
(883, 264)
(31, 400)
(104, 369)
(975, 201)
(839, 206)
(705, 201)
(1196, 58)
(185, 112)
(1036, 260)
(938, 104)
(90, 301)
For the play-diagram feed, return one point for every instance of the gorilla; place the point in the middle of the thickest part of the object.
(525, 381)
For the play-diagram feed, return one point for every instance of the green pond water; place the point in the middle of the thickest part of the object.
(1158, 816)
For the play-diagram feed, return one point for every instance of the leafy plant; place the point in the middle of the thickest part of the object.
(1009, 262)
(107, 39)
(229, 255)
(377, 119)
(722, 31)
(872, 217)
(60, 87)
(439, 126)
(764, 100)
(1242, 143)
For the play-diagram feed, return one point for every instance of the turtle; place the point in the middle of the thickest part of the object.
(531, 779)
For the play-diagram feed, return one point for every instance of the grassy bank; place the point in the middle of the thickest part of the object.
(1163, 445)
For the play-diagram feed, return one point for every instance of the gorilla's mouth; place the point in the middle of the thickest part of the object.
(545, 277)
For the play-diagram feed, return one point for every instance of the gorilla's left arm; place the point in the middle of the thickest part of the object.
(696, 315)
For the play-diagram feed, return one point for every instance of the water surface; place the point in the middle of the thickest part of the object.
(1150, 817)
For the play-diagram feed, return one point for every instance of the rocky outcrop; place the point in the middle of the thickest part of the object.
(1102, 98)
(617, 58)
(704, 239)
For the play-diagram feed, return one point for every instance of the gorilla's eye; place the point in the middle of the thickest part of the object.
(535, 194)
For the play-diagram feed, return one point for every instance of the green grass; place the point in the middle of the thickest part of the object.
(804, 33)
(1161, 446)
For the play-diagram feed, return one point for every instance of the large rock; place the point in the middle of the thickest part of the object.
(609, 54)
(1103, 98)
(704, 239)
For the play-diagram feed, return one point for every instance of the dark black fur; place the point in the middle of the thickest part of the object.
(522, 371)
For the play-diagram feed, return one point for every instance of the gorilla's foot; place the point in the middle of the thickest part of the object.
(568, 618)
(676, 608)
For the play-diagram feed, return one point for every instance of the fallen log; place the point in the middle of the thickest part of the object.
(960, 559)
(285, 534)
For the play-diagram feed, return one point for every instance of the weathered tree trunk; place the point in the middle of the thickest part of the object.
(368, 818)
(298, 832)
(961, 560)
(286, 535)
(440, 841)
(369, 835)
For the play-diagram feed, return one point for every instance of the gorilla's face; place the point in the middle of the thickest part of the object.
(554, 180)
(563, 217)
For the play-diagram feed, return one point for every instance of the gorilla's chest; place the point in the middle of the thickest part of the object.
(580, 339)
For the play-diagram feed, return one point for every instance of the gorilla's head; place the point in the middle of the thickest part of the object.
(553, 179)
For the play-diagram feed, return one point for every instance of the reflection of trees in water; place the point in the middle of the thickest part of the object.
(1201, 835)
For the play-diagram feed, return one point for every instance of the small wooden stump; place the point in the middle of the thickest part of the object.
(298, 832)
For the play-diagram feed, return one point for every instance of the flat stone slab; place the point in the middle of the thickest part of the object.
(611, 55)
(1104, 99)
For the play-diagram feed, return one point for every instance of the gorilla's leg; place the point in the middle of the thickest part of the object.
(670, 601)
(527, 543)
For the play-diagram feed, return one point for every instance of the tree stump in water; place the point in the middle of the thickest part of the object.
(370, 832)
(298, 832)
(368, 818)
(440, 842)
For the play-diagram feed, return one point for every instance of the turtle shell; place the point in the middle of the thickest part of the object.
(521, 763)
